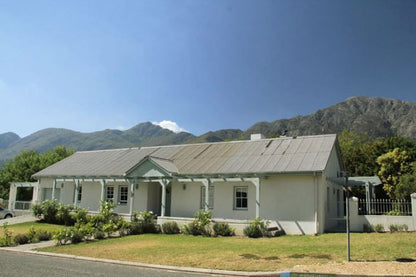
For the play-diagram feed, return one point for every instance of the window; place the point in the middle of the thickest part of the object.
(79, 196)
(123, 192)
(210, 198)
(240, 198)
(110, 194)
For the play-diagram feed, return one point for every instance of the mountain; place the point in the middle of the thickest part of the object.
(143, 134)
(376, 117)
(7, 139)
(373, 116)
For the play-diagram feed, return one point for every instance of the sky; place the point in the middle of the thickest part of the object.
(197, 65)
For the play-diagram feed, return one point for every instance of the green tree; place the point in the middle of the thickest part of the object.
(393, 165)
(23, 166)
(358, 154)
(407, 184)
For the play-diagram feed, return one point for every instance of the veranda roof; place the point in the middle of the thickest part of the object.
(264, 156)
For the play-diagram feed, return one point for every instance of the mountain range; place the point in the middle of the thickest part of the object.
(372, 116)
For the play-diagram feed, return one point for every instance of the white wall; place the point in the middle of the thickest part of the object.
(332, 211)
(289, 200)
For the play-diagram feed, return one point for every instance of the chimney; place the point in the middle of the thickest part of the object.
(256, 136)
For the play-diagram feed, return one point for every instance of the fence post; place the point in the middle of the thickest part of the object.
(413, 203)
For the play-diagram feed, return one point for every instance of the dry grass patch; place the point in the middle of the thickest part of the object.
(241, 253)
(22, 228)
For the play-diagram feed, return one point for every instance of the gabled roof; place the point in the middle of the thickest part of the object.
(265, 156)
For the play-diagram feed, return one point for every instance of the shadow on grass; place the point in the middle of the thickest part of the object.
(315, 256)
(405, 260)
(257, 257)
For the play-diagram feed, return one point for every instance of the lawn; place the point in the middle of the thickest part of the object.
(24, 227)
(241, 253)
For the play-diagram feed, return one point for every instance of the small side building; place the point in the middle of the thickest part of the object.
(285, 180)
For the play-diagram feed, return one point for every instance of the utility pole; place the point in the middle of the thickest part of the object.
(347, 199)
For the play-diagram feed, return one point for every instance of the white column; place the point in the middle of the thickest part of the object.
(164, 183)
(53, 189)
(206, 183)
(76, 192)
(132, 184)
(12, 196)
(102, 181)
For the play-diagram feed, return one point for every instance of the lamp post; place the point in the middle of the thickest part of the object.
(347, 199)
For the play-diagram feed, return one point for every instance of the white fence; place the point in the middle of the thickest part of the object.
(384, 207)
(383, 212)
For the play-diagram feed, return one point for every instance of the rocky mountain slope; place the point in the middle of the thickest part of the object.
(372, 116)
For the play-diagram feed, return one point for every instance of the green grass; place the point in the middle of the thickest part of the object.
(22, 228)
(241, 253)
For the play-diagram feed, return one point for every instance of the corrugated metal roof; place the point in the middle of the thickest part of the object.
(301, 154)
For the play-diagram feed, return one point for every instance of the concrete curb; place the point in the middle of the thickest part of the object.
(216, 272)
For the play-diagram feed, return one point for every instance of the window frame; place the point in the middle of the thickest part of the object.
(240, 189)
(108, 199)
(121, 194)
(79, 195)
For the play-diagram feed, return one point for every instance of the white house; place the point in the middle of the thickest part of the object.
(285, 180)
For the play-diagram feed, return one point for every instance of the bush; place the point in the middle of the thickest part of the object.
(21, 239)
(379, 228)
(404, 228)
(80, 215)
(49, 211)
(200, 225)
(393, 228)
(63, 215)
(170, 227)
(6, 240)
(145, 218)
(37, 210)
(223, 229)
(256, 229)
(367, 228)
(136, 228)
(43, 235)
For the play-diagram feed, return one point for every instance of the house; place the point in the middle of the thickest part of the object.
(285, 180)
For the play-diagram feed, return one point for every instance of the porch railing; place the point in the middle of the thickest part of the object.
(22, 205)
(384, 207)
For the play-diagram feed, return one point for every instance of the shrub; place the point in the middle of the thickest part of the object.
(257, 228)
(6, 240)
(80, 215)
(63, 215)
(49, 210)
(99, 234)
(21, 239)
(393, 228)
(200, 225)
(404, 228)
(170, 227)
(145, 218)
(223, 229)
(43, 235)
(37, 210)
(106, 210)
(136, 228)
(379, 228)
(67, 234)
(367, 228)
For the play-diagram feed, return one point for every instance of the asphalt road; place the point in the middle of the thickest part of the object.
(23, 264)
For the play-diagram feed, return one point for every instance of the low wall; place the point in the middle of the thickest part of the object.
(357, 222)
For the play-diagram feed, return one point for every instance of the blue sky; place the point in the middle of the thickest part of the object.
(206, 65)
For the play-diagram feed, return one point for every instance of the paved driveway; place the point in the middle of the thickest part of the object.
(18, 219)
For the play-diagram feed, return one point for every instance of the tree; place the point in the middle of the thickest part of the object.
(23, 166)
(407, 184)
(393, 165)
